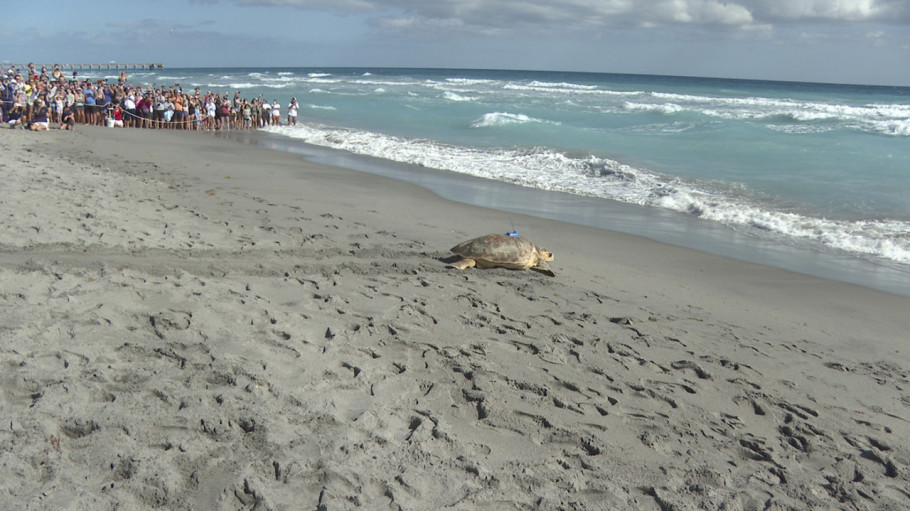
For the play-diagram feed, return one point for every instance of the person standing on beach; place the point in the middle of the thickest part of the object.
(225, 110)
(292, 112)
(129, 106)
(101, 104)
(160, 107)
(197, 112)
(31, 92)
(70, 101)
(257, 110)
(246, 115)
(6, 97)
(179, 111)
(59, 102)
(89, 95)
(117, 114)
(168, 114)
(236, 114)
(79, 98)
(144, 109)
(276, 113)
(209, 123)
(108, 96)
(266, 112)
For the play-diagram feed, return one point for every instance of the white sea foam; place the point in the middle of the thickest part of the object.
(239, 85)
(561, 85)
(322, 80)
(381, 83)
(503, 119)
(592, 176)
(579, 90)
(665, 108)
(266, 85)
(451, 96)
(471, 81)
(887, 119)
(801, 129)
(664, 127)
(455, 87)
(898, 127)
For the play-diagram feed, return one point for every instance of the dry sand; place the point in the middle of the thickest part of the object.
(193, 323)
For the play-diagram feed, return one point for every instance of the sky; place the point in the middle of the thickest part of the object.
(833, 41)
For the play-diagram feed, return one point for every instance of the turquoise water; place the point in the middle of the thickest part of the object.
(814, 166)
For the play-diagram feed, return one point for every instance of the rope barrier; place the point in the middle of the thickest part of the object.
(196, 123)
(150, 119)
(174, 122)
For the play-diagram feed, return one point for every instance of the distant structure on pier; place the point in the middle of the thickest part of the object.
(82, 67)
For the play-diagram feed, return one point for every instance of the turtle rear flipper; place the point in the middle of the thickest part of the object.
(463, 263)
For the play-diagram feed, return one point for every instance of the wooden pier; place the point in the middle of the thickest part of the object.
(82, 67)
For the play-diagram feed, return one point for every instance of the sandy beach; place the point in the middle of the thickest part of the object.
(193, 323)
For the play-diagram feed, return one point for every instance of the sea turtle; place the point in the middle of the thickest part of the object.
(505, 251)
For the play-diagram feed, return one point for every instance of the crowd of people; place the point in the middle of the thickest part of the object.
(35, 100)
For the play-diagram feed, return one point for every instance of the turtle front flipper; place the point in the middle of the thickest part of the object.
(464, 262)
(544, 268)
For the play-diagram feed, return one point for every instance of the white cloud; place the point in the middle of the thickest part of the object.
(331, 5)
(695, 11)
(844, 10)
(504, 15)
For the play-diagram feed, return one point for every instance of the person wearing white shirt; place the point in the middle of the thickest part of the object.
(292, 112)
(276, 113)
(266, 118)
(129, 108)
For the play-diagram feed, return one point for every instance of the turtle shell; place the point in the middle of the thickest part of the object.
(499, 249)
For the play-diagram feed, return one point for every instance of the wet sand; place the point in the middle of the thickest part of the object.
(193, 323)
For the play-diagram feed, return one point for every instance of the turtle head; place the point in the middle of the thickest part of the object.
(544, 254)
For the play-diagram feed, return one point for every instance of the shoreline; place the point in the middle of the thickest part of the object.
(663, 226)
(193, 322)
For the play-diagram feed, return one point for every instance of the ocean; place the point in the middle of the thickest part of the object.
(810, 177)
